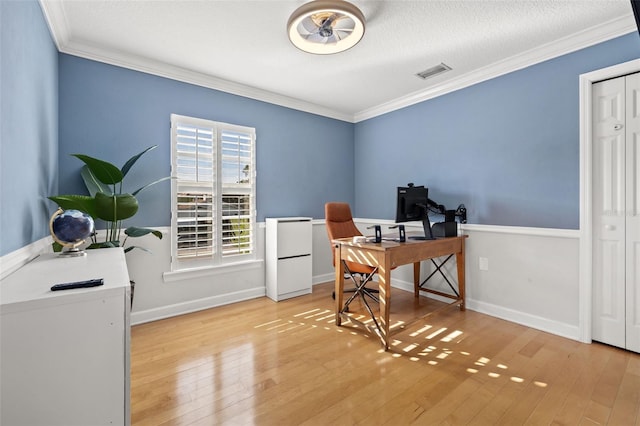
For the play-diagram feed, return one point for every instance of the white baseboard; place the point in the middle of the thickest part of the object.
(554, 327)
(321, 279)
(194, 305)
(406, 286)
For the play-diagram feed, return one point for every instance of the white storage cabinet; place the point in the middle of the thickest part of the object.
(65, 354)
(288, 257)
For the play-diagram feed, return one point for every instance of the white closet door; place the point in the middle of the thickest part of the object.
(633, 213)
(609, 207)
(616, 212)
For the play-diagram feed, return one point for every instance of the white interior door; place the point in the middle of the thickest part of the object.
(616, 240)
(608, 212)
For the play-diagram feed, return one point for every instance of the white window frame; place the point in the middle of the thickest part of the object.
(218, 190)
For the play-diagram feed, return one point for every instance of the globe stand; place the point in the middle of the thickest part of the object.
(71, 248)
(72, 252)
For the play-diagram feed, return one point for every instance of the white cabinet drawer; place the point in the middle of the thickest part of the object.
(294, 275)
(294, 238)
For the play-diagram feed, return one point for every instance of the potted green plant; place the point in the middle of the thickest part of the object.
(107, 201)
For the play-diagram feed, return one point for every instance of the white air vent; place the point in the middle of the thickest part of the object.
(433, 71)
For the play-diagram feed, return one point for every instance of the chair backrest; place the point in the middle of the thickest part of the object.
(339, 222)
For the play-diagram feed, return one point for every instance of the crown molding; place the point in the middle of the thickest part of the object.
(173, 72)
(54, 14)
(57, 22)
(572, 43)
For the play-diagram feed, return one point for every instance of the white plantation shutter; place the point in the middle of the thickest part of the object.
(195, 225)
(194, 170)
(213, 191)
(237, 183)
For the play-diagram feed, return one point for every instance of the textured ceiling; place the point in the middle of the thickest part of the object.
(242, 47)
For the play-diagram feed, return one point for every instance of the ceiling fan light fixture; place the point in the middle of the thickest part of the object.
(324, 27)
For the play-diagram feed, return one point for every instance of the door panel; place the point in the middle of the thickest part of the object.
(609, 293)
(633, 299)
(632, 195)
(609, 209)
(611, 174)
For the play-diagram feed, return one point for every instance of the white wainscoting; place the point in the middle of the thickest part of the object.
(532, 275)
(13, 261)
(532, 279)
(157, 296)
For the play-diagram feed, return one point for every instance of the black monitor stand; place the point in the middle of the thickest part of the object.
(428, 235)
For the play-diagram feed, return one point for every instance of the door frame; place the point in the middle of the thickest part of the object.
(585, 277)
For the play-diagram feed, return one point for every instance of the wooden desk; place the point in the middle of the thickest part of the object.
(387, 255)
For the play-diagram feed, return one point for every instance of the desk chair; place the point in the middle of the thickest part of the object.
(339, 223)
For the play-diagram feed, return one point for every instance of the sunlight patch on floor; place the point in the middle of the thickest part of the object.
(413, 351)
(435, 333)
(451, 336)
(420, 331)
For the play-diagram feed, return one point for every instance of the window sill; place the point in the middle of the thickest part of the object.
(185, 274)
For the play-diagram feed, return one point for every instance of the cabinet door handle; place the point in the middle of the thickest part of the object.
(609, 227)
(617, 127)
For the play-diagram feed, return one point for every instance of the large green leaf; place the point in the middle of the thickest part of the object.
(127, 166)
(128, 249)
(92, 183)
(104, 171)
(134, 193)
(134, 231)
(84, 203)
(117, 207)
(105, 244)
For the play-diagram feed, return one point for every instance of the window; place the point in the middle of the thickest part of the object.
(213, 218)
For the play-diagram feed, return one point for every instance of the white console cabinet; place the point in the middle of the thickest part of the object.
(64, 355)
(288, 257)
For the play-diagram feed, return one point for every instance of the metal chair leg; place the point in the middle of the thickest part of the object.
(360, 288)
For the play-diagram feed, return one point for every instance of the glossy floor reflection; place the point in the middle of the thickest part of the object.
(286, 363)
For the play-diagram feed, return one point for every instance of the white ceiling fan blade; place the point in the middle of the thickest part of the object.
(308, 25)
(342, 34)
(343, 24)
(314, 38)
(331, 39)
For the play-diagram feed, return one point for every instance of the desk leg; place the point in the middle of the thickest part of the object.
(339, 283)
(461, 276)
(384, 288)
(416, 279)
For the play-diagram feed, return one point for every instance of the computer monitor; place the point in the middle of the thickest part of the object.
(412, 205)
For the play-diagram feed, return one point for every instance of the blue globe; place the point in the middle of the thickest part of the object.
(71, 227)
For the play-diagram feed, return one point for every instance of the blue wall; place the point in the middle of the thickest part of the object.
(112, 113)
(507, 148)
(28, 124)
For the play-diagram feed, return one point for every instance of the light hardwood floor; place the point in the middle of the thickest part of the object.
(264, 363)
